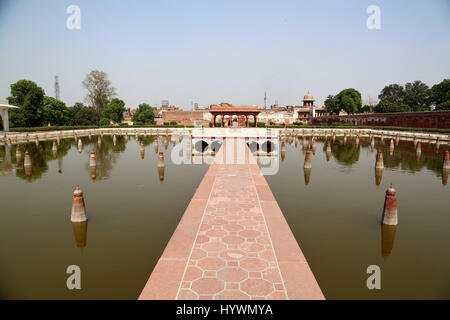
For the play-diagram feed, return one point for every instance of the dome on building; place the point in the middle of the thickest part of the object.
(308, 97)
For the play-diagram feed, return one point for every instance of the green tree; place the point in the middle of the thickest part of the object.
(114, 110)
(331, 105)
(393, 93)
(392, 99)
(54, 112)
(144, 115)
(366, 108)
(349, 100)
(440, 95)
(28, 96)
(416, 96)
(80, 115)
(389, 106)
(104, 122)
(100, 90)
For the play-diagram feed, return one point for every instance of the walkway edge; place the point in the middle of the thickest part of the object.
(298, 278)
(169, 269)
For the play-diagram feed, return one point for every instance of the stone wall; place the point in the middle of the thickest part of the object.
(434, 119)
(187, 117)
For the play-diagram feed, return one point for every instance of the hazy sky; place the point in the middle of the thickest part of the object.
(212, 51)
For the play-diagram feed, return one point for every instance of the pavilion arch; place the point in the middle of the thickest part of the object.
(268, 146)
(229, 111)
(215, 145)
(201, 146)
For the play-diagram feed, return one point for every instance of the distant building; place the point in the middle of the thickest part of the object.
(308, 111)
(241, 114)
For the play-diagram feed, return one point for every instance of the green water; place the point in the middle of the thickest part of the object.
(334, 213)
(336, 218)
(132, 215)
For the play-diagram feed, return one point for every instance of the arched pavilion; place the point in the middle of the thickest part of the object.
(227, 110)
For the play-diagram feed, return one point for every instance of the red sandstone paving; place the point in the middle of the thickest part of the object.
(233, 241)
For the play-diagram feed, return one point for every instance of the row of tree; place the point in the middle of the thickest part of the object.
(414, 96)
(36, 109)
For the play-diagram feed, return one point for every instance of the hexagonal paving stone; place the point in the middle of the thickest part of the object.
(272, 275)
(201, 239)
(267, 255)
(233, 239)
(192, 273)
(249, 233)
(253, 264)
(251, 247)
(214, 246)
(198, 254)
(277, 295)
(233, 227)
(249, 223)
(263, 240)
(211, 263)
(186, 294)
(231, 295)
(205, 227)
(216, 233)
(256, 287)
(232, 254)
(232, 274)
(218, 222)
(207, 286)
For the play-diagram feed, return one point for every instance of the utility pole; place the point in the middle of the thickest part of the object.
(57, 87)
(265, 100)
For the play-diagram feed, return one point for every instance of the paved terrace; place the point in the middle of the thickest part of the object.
(233, 241)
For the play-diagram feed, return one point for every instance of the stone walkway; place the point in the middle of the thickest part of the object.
(233, 241)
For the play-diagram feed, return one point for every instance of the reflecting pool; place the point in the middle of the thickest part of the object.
(335, 209)
(133, 206)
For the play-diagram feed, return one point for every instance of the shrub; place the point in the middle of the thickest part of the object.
(104, 122)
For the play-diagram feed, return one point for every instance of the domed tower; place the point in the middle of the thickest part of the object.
(308, 100)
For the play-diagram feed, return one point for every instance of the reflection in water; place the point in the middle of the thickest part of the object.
(60, 162)
(80, 233)
(445, 176)
(161, 173)
(18, 156)
(378, 176)
(142, 150)
(93, 172)
(405, 156)
(161, 166)
(307, 174)
(328, 151)
(346, 154)
(387, 239)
